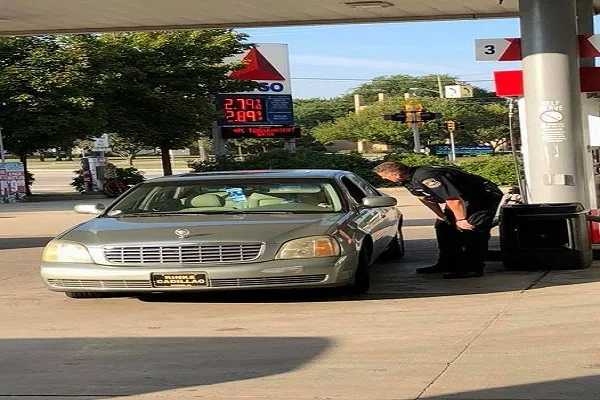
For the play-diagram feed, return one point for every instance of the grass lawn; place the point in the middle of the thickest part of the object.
(146, 162)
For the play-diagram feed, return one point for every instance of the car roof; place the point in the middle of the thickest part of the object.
(254, 174)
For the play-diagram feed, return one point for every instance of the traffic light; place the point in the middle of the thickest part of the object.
(453, 125)
(399, 117)
(428, 116)
(419, 116)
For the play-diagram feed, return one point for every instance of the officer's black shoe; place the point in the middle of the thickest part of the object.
(463, 274)
(434, 269)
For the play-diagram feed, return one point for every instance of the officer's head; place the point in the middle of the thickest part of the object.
(392, 171)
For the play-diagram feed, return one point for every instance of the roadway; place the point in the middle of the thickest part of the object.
(49, 181)
(508, 335)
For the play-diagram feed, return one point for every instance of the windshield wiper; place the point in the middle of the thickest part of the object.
(256, 212)
(139, 215)
(163, 214)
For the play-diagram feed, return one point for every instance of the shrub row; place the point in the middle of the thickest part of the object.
(498, 169)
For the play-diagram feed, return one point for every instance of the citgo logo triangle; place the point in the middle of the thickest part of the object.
(257, 68)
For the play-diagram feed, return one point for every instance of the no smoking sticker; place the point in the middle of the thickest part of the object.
(551, 116)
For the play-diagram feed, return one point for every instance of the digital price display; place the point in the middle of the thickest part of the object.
(255, 109)
(242, 110)
(261, 132)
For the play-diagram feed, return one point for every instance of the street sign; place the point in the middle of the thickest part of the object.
(101, 143)
(510, 83)
(458, 91)
(398, 117)
(509, 49)
(464, 150)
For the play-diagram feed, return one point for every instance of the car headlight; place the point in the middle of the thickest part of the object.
(310, 247)
(67, 252)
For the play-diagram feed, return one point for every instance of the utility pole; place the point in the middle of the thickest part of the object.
(2, 146)
(440, 87)
(451, 127)
(416, 136)
(411, 117)
(219, 146)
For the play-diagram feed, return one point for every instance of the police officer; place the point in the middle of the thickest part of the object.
(463, 226)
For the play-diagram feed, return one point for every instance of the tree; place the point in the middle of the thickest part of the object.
(44, 95)
(309, 113)
(422, 86)
(125, 147)
(482, 122)
(158, 88)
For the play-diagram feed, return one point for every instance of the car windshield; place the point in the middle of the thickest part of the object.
(243, 196)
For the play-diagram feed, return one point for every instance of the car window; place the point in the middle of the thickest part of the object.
(354, 190)
(364, 185)
(189, 196)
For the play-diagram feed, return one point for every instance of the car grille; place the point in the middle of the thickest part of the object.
(107, 284)
(275, 280)
(184, 253)
(145, 284)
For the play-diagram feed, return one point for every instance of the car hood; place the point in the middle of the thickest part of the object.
(268, 228)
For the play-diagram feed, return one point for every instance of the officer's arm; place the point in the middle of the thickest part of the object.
(435, 207)
(458, 208)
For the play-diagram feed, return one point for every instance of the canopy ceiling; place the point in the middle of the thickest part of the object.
(69, 16)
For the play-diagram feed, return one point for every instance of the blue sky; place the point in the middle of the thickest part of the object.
(361, 52)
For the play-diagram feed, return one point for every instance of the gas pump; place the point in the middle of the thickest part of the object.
(92, 167)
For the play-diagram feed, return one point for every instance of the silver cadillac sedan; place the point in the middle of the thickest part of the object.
(229, 230)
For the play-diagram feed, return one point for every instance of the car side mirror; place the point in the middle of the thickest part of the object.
(93, 209)
(379, 201)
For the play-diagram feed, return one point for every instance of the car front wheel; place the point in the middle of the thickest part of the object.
(362, 277)
(395, 250)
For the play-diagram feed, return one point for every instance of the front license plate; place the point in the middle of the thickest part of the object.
(180, 279)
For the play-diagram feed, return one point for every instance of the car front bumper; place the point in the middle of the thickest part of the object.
(305, 273)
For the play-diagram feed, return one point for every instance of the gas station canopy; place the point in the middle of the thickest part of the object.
(18, 17)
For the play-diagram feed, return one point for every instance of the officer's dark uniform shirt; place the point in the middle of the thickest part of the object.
(438, 184)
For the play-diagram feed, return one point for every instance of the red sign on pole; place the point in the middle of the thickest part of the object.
(12, 183)
(510, 83)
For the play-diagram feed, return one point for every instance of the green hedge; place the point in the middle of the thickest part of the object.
(498, 169)
(299, 159)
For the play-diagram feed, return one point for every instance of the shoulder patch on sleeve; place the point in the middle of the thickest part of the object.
(432, 183)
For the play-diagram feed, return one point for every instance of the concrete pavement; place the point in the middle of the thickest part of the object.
(509, 335)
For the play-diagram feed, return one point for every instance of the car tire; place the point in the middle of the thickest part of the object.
(362, 277)
(396, 249)
(85, 295)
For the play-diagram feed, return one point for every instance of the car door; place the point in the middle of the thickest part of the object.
(389, 224)
(370, 220)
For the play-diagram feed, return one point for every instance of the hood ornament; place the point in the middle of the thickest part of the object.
(182, 233)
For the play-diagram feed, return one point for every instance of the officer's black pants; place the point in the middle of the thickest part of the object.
(466, 250)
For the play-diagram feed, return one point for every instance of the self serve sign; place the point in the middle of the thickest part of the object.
(267, 64)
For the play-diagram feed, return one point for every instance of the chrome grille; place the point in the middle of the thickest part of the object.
(183, 253)
(275, 280)
(94, 283)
